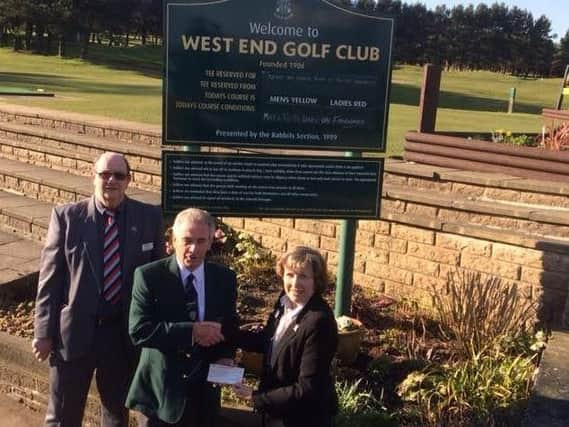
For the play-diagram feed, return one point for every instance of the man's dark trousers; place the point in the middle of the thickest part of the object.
(109, 361)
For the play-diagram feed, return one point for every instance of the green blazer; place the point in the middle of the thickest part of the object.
(160, 325)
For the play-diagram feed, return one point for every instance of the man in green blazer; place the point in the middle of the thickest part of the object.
(182, 309)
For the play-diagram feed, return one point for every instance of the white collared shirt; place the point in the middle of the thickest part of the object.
(289, 315)
(199, 285)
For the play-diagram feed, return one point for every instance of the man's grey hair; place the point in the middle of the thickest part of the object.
(194, 215)
(112, 153)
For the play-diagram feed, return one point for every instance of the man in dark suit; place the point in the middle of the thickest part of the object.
(182, 309)
(91, 250)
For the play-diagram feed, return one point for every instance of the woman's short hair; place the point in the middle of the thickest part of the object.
(302, 256)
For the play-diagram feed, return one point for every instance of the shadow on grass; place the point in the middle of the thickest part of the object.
(72, 84)
(145, 60)
(409, 95)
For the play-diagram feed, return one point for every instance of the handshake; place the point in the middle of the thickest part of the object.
(207, 333)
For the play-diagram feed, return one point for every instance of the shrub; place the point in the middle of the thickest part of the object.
(471, 392)
(507, 137)
(479, 310)
(254, 264)
(358, 408)
(557, 137)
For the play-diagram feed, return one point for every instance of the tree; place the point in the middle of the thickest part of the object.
(541, 47)
(561, 56)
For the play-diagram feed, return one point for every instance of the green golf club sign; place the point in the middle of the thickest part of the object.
(305, 74)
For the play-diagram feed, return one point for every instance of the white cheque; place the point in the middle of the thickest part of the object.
(221, 374)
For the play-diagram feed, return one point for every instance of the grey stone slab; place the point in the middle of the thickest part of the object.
(84, 140)
(6, 194)
(21, 249)
(493, 208)
(10, 201)
(411, 219)
(31, 212)
(21, 270)
(8, 261)
(416, 169)
(42, 222)
(538, 186)
(44, 175)
(549, 401)
(511, 237)
(11, 166)
(8, 275)
(551, 217)
(64, 180)
(6, 238)
(81, 118)
(478, 178)
(419, 196)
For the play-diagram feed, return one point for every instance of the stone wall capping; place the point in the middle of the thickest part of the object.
(492, 208)
(478, 178)
(81, 139)
(413, 220)
(560, 217)
(80, 119)
(514, 238)
(46, 150)
(415, 169)
(497, 180)
(432, 199)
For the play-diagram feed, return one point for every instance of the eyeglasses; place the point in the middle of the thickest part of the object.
(118, 176)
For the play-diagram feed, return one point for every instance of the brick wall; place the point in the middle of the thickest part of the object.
(406, 260)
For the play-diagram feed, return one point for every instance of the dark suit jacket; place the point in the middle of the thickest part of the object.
(298, 387)
(70, 279)
(159, 323)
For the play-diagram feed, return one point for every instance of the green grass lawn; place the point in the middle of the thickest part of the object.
(106, 88)
(125, 83)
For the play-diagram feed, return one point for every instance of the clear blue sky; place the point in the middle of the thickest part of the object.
(556, 10)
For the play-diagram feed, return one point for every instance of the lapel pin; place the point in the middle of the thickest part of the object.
(295, 328)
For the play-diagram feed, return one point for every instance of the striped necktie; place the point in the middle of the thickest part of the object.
(111, 260)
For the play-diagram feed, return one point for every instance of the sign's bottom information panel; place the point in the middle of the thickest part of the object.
(272, 186)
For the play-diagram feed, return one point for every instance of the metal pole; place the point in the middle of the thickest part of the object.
(346, 251)
(512, 100)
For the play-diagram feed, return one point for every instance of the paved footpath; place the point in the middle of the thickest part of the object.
(14, 414)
